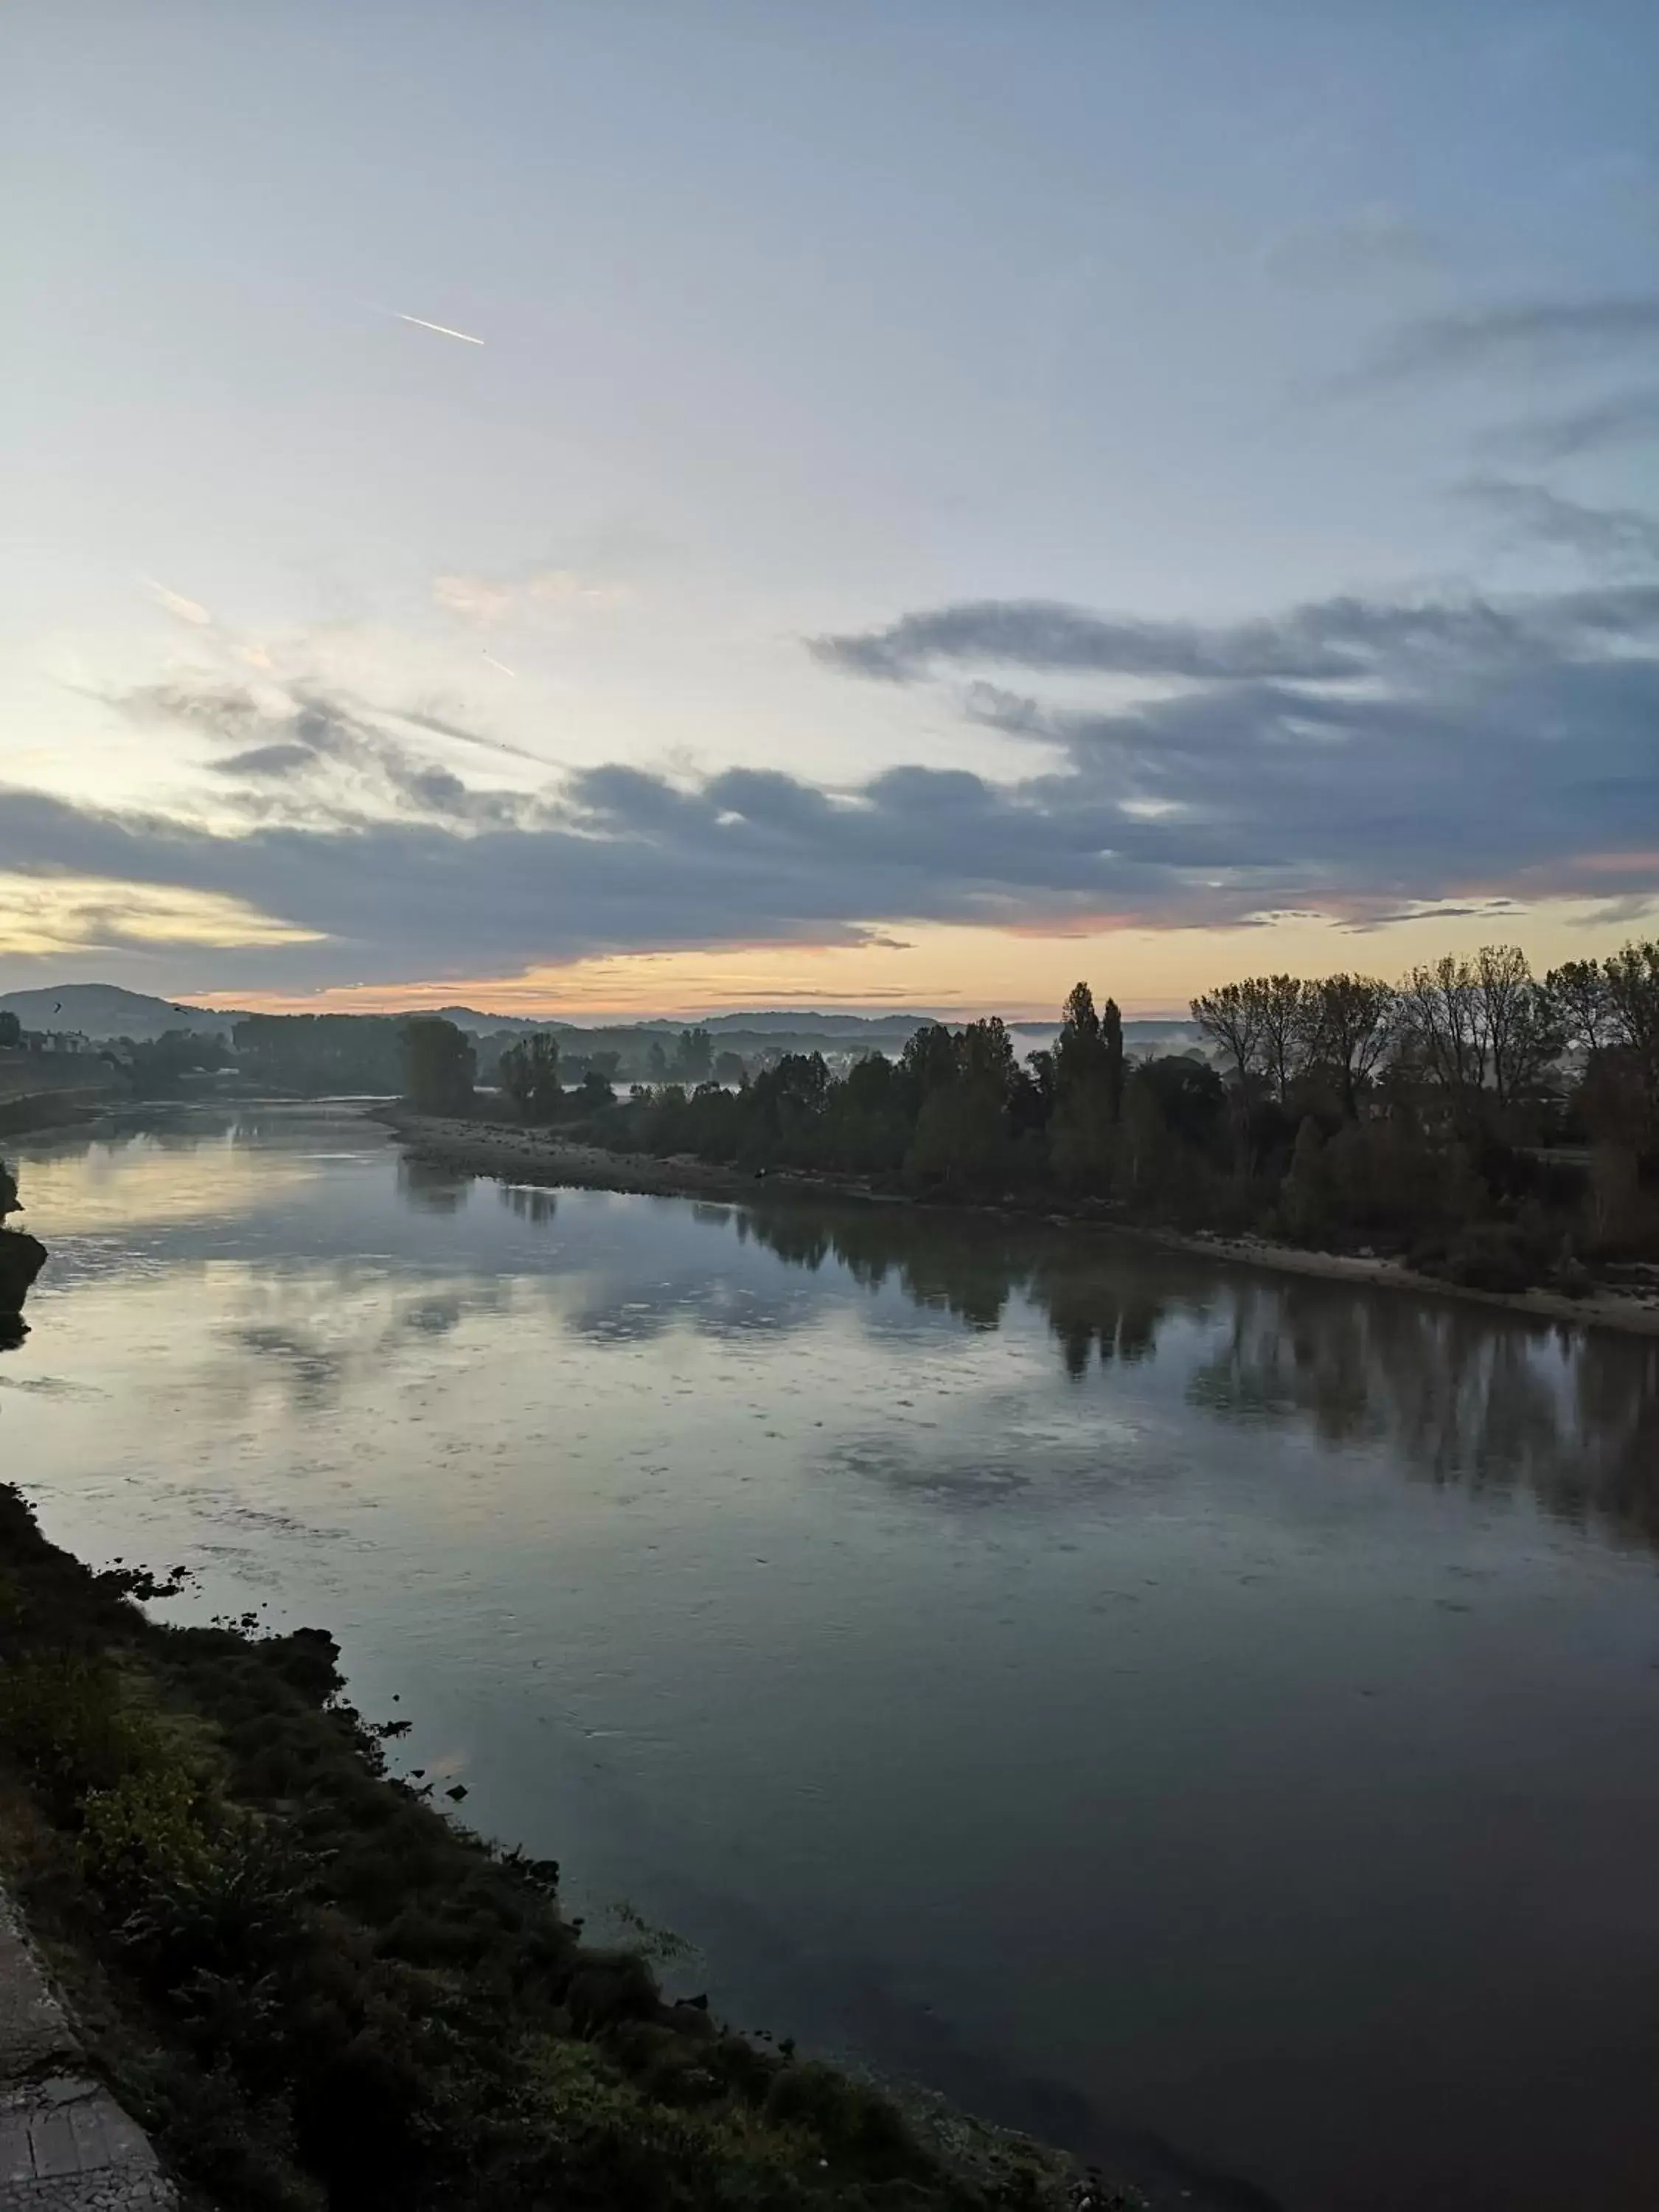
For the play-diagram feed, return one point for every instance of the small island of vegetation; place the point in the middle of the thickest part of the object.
(21, 1258)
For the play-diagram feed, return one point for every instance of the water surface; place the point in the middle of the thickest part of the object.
(1162, 1705)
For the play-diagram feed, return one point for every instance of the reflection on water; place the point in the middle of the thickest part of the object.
(1453, 1395)
(1575, 1419)
(434, 1189)
(1163, 1704)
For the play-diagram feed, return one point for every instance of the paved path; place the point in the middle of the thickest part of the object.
(65, 2144)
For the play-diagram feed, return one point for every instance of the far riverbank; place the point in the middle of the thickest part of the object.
(24, 1114)
(514, 1154)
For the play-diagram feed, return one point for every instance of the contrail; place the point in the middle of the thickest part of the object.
(502, 666)
(442, 329)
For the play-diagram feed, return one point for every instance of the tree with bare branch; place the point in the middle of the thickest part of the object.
(1230, 1017)
(1354, 1019)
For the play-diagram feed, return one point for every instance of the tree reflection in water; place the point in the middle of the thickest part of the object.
(531, 1202)
(1462, 1396)
(432, 1187)
(1489, 1402)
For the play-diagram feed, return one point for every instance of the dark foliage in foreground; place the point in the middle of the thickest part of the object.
(320, 1992)
(21, 1259)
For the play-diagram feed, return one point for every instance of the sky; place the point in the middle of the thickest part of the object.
(631, 508)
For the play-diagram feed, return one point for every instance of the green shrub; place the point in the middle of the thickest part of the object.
(1490, 1255)
(229, 1903)
(64, 1720)
(848, 2117)
(143, 1832)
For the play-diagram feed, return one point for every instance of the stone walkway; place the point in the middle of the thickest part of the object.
(65, 2144)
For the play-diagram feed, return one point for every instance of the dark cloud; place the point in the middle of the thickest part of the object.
(441, 725)
(1623, 418)
(1350, 758)
(1492, 910)
(1046, 633)
(278, 760)
(354, 765)
(223, 710)
(1522, 335)
(1328, 642)
(1607, 537)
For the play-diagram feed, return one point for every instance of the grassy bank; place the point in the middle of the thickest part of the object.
(316, 1989)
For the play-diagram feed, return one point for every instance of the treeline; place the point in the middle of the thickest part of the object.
(1493, 1126)
(371, 1053)
(1482, 1041)
(316, 1053)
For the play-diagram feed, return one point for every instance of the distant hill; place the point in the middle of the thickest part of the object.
(477, 1024)
(105, 1010)
(868, 1029)
(871, 1029)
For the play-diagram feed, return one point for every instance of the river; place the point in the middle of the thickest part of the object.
(1204, 1717)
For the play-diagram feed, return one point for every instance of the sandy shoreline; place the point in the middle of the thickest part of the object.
(1632, 1312)
(538, 1156)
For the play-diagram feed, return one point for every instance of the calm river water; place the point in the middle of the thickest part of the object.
(1207, 1717)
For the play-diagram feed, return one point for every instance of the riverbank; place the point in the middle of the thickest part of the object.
(1634, 1312)
(24, 1113)
(533, 1156)
(312, 1985)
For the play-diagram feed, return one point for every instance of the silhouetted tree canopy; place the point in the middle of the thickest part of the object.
(1428, 1118)
(317, 1054)
(529, 1075)
(440, 1064)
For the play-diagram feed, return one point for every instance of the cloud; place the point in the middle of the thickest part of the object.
(1517, 335)
(481, 599)
(278, 760)
(444, 726)
(1046, 633)
(223, 710)
(486, 601)
(188, 611)
(1328, 641)
(44, 919)
(352, 764)
(1623, 418)
(1356, 759)
(559, 586)
(1496, 911)
(1613, 537)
